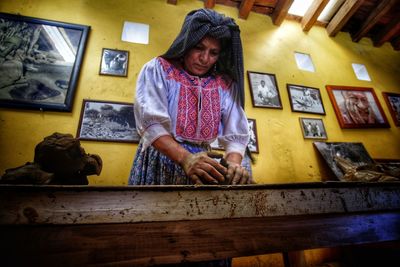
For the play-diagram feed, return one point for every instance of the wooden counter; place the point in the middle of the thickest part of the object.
(147, 225)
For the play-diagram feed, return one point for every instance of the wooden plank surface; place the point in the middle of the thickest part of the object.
(144, 226)
(90, 205)
(146, 244)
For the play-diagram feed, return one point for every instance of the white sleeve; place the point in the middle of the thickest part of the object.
(235, 130)
(151, 105)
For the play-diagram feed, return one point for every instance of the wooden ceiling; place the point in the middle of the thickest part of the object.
(378, 20)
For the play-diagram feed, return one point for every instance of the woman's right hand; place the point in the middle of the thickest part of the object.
(201, 168)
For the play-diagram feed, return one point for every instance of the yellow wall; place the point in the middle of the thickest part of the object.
(284, 155)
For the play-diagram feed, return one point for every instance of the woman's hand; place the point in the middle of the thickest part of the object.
(201, 168)
(237, 174)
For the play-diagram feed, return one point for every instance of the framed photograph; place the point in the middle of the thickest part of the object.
(352, 152)
(40, 61)
(313, 128)
(114, 62)
(107, 121)
(264, 90)
(305, 99)
(253, 143)
(393, 103)
(357, 107)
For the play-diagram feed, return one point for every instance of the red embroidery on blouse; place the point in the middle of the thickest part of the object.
(199, 110)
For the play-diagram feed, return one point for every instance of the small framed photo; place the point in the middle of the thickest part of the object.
(264, 90)
(107, 121)
(393, 103)
(313, 128)
(253, 143)
(40, 62)
(357, 107)
(305, 99)
(114, 62)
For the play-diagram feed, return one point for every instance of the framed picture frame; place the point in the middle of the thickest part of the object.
(354, 152)
(357, 107)
(264, 90)
(40, 62)
(313, 128)
(253, 143)
(107, 121)
(305, 99)
(114, 62)
(393, 102)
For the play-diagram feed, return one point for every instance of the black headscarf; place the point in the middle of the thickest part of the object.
(202, 22)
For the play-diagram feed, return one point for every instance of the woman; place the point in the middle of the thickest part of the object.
(187, 98)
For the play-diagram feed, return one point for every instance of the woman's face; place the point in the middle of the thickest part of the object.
(202, 57)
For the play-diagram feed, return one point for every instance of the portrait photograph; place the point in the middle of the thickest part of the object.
(264, 90)
(313, 128)
(357, 107)
(114, 62)
(305, 99)
(393, 103)
(107, 121)
(253, 142)
(40, 62)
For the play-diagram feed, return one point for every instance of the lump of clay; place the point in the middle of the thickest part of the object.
(59, 159)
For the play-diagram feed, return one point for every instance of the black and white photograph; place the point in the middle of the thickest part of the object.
(253, 143)
(40, 62)
(114, 62)
(332, 152)
(313, 128)
(305, 99)
(264, 90)
(107, 121)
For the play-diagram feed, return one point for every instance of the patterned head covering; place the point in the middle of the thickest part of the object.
(202, 22)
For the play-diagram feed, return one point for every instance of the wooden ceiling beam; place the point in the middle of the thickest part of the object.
(281, 11)
(209, 4)
(383, 7)
(342, 16)
(312, 14)
(172, 2)
(245, 8)
(389, 32)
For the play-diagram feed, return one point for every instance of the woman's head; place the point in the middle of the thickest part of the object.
(199, 59)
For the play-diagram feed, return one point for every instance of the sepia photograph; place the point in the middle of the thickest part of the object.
(313, 128)
(107, 121)
(264, 90)
(305, 99)
(114, 62)
(40, 61)
(357, 107)
(393, 103)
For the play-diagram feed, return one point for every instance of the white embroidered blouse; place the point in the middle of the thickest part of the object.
(169, 101)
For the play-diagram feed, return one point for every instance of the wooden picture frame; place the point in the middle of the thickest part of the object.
(253, 143)
(107, 121)
(305, 99)
(313, 128)
(357, 107)
(114, 62)
(40, 62)
(393, 102)
(264, 90)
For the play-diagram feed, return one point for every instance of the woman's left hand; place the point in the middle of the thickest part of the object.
(237, 174)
